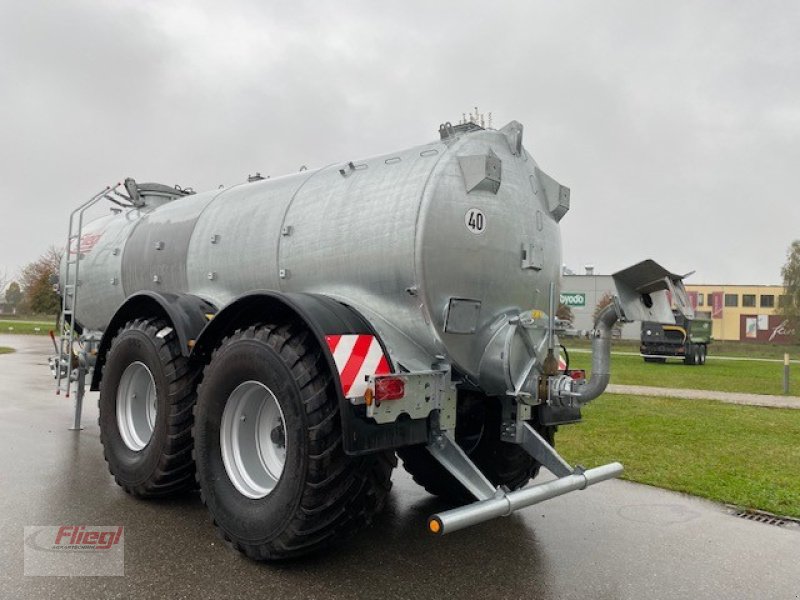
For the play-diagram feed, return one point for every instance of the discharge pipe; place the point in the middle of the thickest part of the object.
(601, 357)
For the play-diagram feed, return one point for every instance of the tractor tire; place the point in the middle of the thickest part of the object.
(146, 399)
(703, 354)
(478, 433)
(271, 467)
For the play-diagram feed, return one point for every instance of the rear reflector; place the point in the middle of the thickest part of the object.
(389, 388)
(578, 374)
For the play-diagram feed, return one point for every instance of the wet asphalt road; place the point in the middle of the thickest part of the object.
(615, 540)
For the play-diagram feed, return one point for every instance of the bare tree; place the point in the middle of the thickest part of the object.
(564, 312)
(604, 301)
(13, 296)
(791, 282)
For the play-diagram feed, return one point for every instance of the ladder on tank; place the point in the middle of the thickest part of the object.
(67, 357)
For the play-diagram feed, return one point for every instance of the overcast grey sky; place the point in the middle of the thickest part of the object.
(675, 124)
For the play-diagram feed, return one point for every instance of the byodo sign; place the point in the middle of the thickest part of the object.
(577, 299)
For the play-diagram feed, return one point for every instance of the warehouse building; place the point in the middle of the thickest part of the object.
(752, 313)
(743, 312)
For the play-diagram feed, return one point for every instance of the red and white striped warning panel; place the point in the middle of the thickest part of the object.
(357, 357)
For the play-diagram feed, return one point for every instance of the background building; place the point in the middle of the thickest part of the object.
(751, 313)
(743, 312)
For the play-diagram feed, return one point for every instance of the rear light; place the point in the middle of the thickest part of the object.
(577, 374)
(389, 388)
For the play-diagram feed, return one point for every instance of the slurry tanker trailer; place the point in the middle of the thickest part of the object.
(278, 343)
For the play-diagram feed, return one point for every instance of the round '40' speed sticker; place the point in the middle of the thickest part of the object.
(475, 221)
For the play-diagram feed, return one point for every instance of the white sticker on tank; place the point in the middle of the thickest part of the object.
(475, 221)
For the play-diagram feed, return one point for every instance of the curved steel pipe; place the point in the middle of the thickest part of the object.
(601, 357)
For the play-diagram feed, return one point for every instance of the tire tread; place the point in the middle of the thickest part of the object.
(175, 470)
(342, 494)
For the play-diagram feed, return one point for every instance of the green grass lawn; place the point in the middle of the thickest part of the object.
(723, 375)
(5, 350)
(740, 349)
(750, 350)
(743, 455)
(26, 327)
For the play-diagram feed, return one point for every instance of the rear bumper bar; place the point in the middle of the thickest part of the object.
(505, 503)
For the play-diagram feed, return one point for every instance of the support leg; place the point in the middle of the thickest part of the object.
(79, 393)
(453, 458)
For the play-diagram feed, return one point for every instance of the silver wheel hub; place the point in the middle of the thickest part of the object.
(137, 404)
(253, 439)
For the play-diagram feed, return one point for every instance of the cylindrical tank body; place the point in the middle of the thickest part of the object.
(437, 246)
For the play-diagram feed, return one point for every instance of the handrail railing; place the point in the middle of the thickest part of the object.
(69, 289)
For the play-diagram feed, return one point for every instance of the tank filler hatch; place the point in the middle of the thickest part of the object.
(448, 131)
(153, 194)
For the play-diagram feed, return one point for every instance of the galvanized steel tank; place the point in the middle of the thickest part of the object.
(439, 246)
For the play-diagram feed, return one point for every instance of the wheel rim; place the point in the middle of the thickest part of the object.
(253, 439)
(137, 405)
